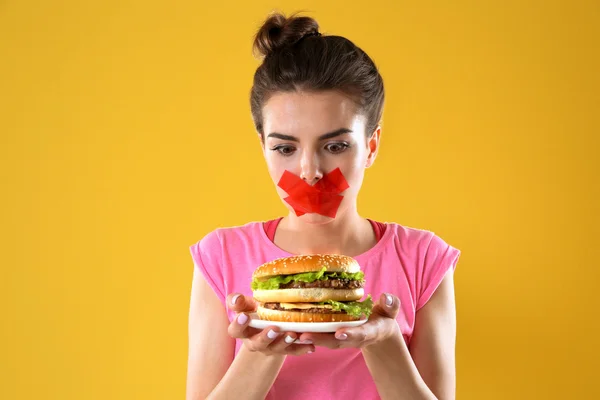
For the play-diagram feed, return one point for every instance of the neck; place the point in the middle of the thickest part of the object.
(348, 234)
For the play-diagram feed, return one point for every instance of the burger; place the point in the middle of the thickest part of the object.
(311, 288)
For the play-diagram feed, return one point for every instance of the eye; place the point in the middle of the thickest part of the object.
(336, 148)
(284, 150)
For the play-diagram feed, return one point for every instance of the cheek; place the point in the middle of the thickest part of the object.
(274, 172)
(354, 177)
(354, 174)
(276, 166)
(353, 167)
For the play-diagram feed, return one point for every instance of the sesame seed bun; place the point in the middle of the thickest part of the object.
(307, 263)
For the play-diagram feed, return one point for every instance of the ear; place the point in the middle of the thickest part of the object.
(373, 146)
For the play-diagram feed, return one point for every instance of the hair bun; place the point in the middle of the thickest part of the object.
(279, 31)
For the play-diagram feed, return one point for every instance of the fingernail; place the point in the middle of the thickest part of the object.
(343, 336)
(305, 342)
(389, 300)
(242, 319)
(310, 352)
(289, 339)
(235, 298)
(272, 334)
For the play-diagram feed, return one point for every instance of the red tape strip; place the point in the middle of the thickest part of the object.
(323, 198)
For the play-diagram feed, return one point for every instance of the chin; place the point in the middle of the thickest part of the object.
(318, 219)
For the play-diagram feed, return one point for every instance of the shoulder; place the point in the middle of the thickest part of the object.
(430, 256)
(422, 243)
(426, 258)
(217, 252)
(411, 238)
(219, 237)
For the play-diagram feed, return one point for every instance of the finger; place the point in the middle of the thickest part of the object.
(321, 340)
(356, 337)
(285, 344)
(264, 339)
(239, 328)
(300, 349)
(388, 306)
(359, 336)
(239, 303)
(376, 329)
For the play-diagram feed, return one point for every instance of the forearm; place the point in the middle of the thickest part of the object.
(394, 371)
(250, 376)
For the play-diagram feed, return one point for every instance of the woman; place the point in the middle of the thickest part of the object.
(317, 103)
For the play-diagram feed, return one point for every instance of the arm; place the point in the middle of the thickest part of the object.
(427, 369)
(212, 370)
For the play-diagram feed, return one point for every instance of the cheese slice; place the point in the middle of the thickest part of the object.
(304, 306)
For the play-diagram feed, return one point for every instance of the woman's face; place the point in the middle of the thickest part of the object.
(312, 133)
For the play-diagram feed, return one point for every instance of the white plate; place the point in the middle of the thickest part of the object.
(321, 327)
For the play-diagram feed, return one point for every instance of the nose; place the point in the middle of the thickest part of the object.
(310, 170)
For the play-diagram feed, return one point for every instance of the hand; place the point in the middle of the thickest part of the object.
(380, 326)
(268, 341)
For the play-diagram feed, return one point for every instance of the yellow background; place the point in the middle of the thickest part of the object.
(125, 136)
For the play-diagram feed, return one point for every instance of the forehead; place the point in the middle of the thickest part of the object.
(309, 112)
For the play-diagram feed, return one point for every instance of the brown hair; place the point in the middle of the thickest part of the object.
(296, 56)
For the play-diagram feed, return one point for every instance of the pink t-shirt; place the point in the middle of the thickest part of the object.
(408, 262)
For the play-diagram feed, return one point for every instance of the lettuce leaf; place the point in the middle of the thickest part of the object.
(354, 308)
(275, 281)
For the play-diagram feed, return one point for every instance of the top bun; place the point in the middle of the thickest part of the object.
(279, 31)
(307, 263)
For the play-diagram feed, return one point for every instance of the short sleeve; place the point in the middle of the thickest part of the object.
(439, 258)
(207, 256)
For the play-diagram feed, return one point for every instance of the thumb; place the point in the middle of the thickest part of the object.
(239, 303)
(388, 306)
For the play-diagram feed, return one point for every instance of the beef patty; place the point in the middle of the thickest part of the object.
(330, 283)
(277, 306)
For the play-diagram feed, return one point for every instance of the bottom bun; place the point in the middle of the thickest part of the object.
(299, 316)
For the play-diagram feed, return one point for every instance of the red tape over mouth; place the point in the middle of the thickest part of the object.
(323, 198)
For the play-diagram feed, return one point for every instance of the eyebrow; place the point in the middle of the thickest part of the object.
(329, 135)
